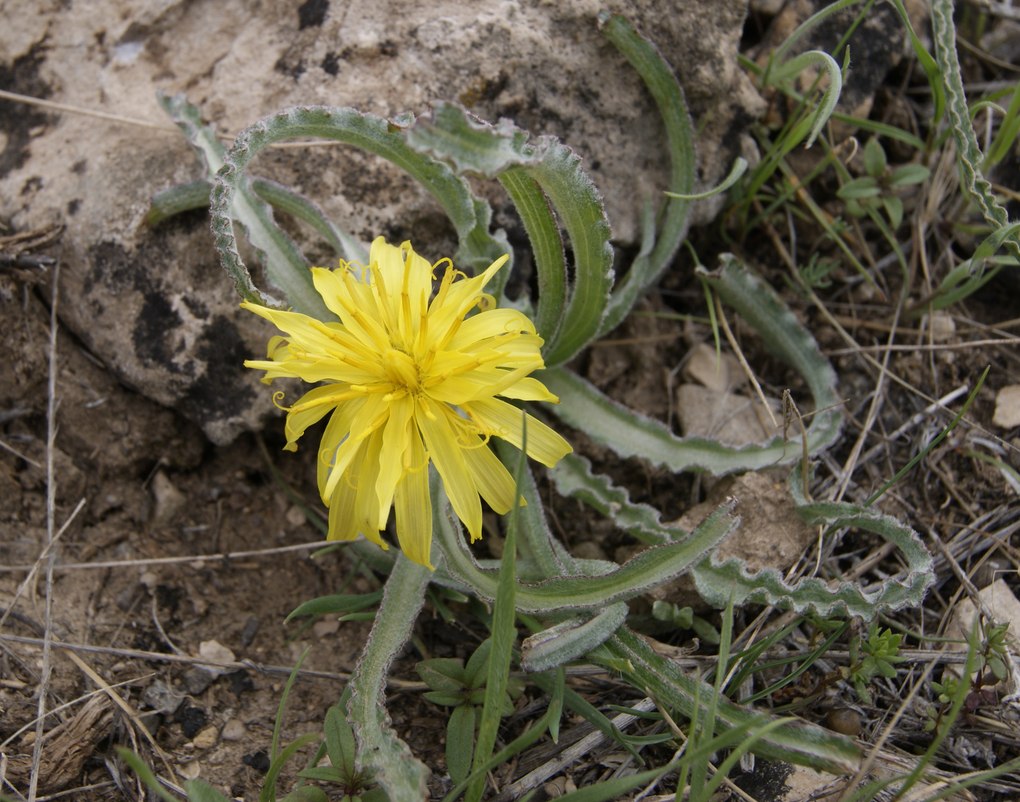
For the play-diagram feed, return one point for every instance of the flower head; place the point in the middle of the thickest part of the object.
(410, 378)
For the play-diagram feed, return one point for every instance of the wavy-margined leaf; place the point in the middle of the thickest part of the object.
(661, 246)
(471, 145)
(470, 216)
(570, 639)
(968, 154)
(648, 569)
(285, 266)
(298, 206)
(574, 477)
(719, 583)
(797, 742)
(631, 434)
(195, 195)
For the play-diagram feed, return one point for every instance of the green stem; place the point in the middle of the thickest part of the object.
(380, 751)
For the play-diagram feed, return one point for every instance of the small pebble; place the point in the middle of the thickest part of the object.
(161, 698)
(234, 730)
(251, 628)
(206, 738)
(190, 770)
(323, 628)
(844, 721)
(196, 680)
(296, 516)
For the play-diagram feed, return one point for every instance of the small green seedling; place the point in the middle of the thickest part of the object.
(877, 188)
(876, 656)
(462, 687)
(684, 618)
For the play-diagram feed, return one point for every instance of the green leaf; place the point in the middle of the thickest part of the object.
(286, 200)
(796, 742)
(445, 698)
(504, 635)
(648, 569)
(574, 477)
(380, 750)
(470, 145)
(894, 210)
(874, 158)
(908, 175)
(719, 583)
(443, 673)
(470, 216)
(478, 665)
(662, 242)
(859, 188)
(546, 246)
(268, 793)
(340, 743)
(323, 774)
(306, 793)
(830, 96)
(200, 791)
(145, 774)
(538, 545)
(570, 639)
(181, 198)
(339, 603)
(460, 742)
(632, 435)
(968, 154)
(285, 266)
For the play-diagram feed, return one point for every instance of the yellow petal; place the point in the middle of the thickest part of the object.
(394, 459)
(504, 420)
(310, 409)
(366, 420)
(491, 477)
(344, 520)
(494, 323)
(337, 430)
(413, 507)
(437, 425)
(529, 389)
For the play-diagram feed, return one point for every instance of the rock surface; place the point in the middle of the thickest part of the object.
(152, 303)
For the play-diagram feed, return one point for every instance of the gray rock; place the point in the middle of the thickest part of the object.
(152, 303)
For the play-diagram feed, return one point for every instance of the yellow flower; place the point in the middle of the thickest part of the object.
(410, 379)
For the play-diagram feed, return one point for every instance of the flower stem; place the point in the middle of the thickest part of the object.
(380, 751)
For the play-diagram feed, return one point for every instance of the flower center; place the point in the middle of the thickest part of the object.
(402, 370)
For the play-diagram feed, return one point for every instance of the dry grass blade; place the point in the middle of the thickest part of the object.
(51, 497)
